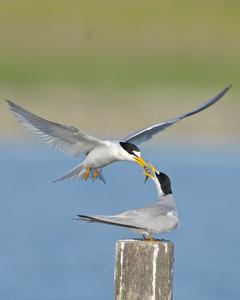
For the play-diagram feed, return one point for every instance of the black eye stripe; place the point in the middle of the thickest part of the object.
(165, 183)
(129, 148)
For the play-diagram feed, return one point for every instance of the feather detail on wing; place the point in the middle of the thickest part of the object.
(73, 174)
(109, 221)
(147, 133)
(62, 137)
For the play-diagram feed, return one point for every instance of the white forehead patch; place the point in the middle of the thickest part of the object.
(137, 153)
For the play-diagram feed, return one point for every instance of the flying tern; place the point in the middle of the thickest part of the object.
(159, 217)
(98, 153)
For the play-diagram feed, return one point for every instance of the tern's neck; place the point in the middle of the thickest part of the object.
(167, 200)
(162, 197)
(158, 188)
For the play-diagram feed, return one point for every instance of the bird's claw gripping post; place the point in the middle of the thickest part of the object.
(148, 238)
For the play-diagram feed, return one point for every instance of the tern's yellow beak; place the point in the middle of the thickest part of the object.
(148, 173)
(141, 162)
(153, 168)
(147, 176)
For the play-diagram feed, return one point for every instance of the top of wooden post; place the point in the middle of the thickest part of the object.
(143, 270)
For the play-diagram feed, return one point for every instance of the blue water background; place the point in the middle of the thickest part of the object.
(44, 254)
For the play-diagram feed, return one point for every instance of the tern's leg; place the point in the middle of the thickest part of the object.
(87, 173)
(80, 169)
(148, 238)
(96, 174)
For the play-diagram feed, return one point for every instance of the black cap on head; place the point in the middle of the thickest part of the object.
(129, 147)
(165, 183)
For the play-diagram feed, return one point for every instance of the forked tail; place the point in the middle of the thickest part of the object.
(78, 173)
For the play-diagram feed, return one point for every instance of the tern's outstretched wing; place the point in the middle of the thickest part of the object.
(65, 138)
(145, 134)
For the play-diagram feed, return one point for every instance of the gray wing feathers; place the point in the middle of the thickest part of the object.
(147, 133)
(134, 218)
(74, 174)
(65, 138)
(111, 221)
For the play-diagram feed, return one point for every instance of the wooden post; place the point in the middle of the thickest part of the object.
(143, 270)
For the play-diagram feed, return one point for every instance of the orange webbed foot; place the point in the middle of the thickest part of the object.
(86, 174)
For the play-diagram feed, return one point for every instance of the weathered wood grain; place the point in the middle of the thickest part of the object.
(143, 270)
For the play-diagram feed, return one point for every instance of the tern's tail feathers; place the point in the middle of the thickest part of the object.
(78, 173)
(109, 220)
(74, 174)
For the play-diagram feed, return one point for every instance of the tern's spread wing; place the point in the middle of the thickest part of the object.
(145, 134)
(65, 138)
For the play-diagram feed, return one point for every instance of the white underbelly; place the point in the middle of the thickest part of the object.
(100, 157)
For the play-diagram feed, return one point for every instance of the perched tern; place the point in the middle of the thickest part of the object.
(98, 153)
(159, 217)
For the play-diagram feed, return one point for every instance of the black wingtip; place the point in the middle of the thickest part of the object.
(8, 101)
(83, 217)
(87, 219)
(224, 91)
(228, 87)
(11, 104)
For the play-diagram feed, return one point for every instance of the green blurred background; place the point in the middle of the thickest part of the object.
(112, 66)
